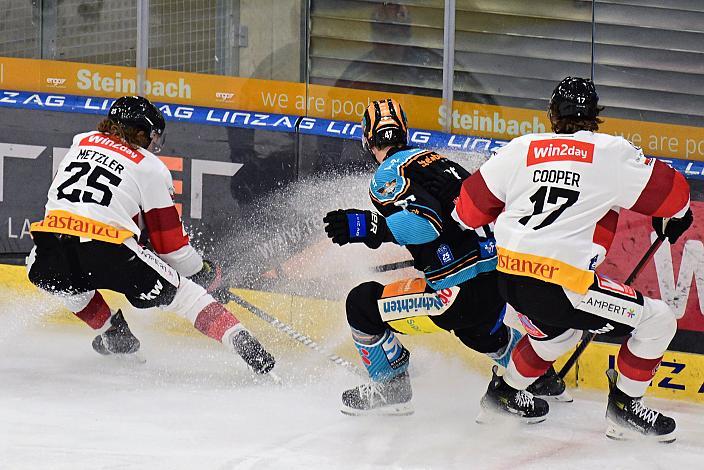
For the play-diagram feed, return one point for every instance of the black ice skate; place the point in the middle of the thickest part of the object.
(253, 353)
(629, 418)
(392, 397)
(550, 386)
(503, 401)
(118, 339)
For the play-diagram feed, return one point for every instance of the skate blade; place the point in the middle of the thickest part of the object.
(275, 378)
(619, 433)
(399, 409)
(131, 358)
(564, 397)
(493, 417)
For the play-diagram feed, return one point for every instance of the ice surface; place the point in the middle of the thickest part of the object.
(195, 406)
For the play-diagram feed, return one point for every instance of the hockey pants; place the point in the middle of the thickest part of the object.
(555, 318)
(74, 269)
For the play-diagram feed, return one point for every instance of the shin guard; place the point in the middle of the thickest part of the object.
(95, 313)
(636, 372)
(217, 322)
(384, 359)
(503, 356)
(525, 365)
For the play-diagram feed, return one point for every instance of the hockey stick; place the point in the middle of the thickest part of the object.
(301, 338)
(585, 342)
(382, 268)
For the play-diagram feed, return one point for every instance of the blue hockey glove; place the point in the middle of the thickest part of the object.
(357, 226)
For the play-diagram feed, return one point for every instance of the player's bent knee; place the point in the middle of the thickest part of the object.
(659, 320)
(482, 341)
(551, 349)
(361, 307)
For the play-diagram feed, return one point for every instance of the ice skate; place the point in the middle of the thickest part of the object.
(390, 397)
(628, 418)
(253, 353)
(116, 340)
(550, 386)
(502, 401)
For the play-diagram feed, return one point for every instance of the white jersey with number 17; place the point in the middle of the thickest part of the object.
(556, 197)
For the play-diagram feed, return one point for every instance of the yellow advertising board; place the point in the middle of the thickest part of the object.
(344, 104)
(680, 376)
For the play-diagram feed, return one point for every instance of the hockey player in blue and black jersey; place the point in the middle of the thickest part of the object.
(414, 190)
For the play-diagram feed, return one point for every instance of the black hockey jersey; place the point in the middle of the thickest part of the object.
(421, 221)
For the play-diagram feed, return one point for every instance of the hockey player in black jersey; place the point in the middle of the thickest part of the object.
(458, 292)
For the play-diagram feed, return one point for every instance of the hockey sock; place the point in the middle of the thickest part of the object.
(96, 313)
(503, 355)
(217, 322)
(640, 356)
(636, 372)
(361, 337)
(525, 365)
(384, 359)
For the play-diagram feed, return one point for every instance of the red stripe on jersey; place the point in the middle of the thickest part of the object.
(666, 193)
(96, 313)
(108, 142)
(476, 204)
(165, 229)
(214, 320)
(634, 367)
(606, 229)
(527, 361)
(677, 199)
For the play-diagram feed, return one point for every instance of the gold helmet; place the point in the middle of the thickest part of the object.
(384, 124)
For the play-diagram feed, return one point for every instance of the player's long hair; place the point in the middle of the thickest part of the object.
(572, 124)
(135, 138)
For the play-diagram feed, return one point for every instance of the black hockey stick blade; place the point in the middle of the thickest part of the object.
(632, 277)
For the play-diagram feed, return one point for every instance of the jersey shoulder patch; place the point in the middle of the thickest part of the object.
(79, 137)
(389, 182)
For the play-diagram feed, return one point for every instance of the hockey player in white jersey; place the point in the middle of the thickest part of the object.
(110, 191)
(556, 199)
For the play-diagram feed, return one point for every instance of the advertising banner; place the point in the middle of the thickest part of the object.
(280, 123)
(342, 104)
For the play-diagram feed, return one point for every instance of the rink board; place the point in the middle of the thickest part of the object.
(681, 375)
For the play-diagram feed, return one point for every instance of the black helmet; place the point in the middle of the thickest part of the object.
(384, 123)
(575, 97)
(138, 112)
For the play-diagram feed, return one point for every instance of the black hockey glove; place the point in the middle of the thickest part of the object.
(444, 180)
(673, 228)
(210, 279)
(357, 226)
